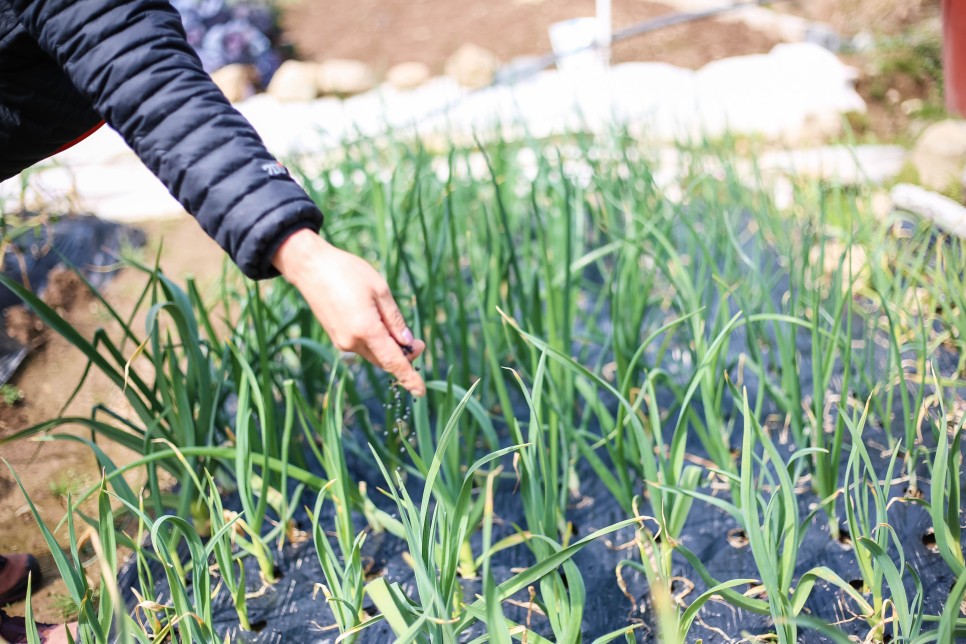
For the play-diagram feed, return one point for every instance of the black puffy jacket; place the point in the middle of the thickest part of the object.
(67, 64)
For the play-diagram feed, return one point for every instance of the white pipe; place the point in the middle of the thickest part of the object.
(942, 211)
(604, 30)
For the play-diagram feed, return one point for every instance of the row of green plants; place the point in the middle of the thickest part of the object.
(709, 351)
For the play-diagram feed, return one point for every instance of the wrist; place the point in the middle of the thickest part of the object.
(298, 253)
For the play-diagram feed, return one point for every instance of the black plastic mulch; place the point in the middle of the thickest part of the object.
(294, 610)
(89, 244)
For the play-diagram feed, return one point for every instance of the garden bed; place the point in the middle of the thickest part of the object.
(649, 418)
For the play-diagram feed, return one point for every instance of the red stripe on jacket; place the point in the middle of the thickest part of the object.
(80, 138)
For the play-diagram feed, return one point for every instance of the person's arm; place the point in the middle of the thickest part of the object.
(130, 58)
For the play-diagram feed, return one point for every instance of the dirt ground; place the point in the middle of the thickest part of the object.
(853, 16)
(51, 470)
(383, 33)
(387, 32)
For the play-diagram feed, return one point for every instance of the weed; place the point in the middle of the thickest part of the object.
(69, 484)
(10, 394)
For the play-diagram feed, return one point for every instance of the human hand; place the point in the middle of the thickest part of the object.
(353, 303)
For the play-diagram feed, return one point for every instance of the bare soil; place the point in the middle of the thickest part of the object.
(387, 32)
(51, 470)
(850, 17)
(887, 119)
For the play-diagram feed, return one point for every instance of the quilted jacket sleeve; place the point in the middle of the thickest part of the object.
(131, 59)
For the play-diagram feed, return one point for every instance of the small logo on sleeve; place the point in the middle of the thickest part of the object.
(274, 169)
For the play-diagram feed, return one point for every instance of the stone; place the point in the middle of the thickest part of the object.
(472, 66)
(295, 81)
(406, 76)
(940, 154)
(343, 77)
(875, 164)
(796, 93)
(237, 82)
(911, 107)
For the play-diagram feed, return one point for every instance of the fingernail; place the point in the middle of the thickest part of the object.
(407, 336)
